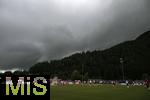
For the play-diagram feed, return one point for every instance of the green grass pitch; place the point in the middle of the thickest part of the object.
(99, 92)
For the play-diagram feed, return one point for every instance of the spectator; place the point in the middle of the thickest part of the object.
(147, 83)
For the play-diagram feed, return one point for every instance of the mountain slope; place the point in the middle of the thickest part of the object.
(104, 64)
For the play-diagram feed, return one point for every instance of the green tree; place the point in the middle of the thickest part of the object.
(75, 75)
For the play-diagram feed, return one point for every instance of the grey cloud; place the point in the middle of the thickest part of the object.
(32, 30)
(129, 19)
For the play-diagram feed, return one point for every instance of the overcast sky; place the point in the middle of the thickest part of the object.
(39, 30)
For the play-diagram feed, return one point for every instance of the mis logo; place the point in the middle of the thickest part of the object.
(25, 86)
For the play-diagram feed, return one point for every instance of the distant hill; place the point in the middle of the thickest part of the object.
(103, 64)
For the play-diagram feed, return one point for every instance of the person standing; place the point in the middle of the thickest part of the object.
(147, 83)
(127, 83)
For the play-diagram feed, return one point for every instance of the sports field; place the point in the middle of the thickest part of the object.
(99, 92)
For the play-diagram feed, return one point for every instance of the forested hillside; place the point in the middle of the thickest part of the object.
(104, 64)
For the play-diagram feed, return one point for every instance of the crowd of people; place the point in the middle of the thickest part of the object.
(91, 82)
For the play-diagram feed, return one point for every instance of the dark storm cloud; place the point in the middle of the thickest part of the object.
(36, 30)
(129, 20)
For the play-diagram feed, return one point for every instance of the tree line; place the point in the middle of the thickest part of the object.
(102, 64)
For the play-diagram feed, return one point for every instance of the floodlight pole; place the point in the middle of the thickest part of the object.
(122, 67)
(82, 74)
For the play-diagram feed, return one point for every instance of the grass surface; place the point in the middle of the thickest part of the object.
(100, 92)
